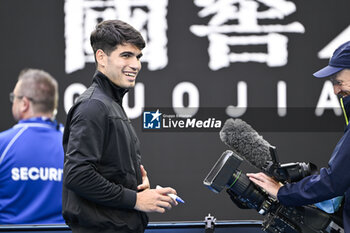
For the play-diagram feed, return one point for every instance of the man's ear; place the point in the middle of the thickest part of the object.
(101, 58)
(25, 105)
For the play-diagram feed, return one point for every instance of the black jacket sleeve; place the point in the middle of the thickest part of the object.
(87, 134)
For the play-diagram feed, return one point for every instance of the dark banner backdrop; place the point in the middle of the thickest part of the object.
(200, 54)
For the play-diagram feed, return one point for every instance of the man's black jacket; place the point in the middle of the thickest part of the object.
(102, 162)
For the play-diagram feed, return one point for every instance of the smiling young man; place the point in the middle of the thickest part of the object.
(333, 182)
(106, 189)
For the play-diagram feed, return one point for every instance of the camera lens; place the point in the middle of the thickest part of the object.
(246, 190)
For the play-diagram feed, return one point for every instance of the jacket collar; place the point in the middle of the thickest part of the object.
(115, 92)
(43, 122)
(345, 103)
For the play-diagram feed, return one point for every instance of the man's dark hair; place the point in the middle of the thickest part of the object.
(111, 33)
(41, 88)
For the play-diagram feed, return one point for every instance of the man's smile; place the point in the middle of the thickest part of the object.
(130, 75)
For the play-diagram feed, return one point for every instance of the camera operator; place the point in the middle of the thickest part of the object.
(334, 180)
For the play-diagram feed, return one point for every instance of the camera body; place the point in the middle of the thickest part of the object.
(288, 172)
(246, 195)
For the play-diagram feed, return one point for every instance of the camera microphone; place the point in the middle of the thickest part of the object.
(243, 139)
(247, 143)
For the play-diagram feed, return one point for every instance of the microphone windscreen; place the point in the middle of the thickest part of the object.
(244, 140)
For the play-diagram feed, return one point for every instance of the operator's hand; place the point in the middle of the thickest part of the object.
(155, 200)
(266, 182)
(145, 181)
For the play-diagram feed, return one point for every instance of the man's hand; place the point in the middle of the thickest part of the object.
(266, 182)
(145, 182)
(155, 200)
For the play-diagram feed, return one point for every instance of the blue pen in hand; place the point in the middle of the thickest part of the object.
(173, 196)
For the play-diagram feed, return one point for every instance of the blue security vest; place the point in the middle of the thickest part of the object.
(31, 167)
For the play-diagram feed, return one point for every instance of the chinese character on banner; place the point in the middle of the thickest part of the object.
(236, 23)
(81, 16)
